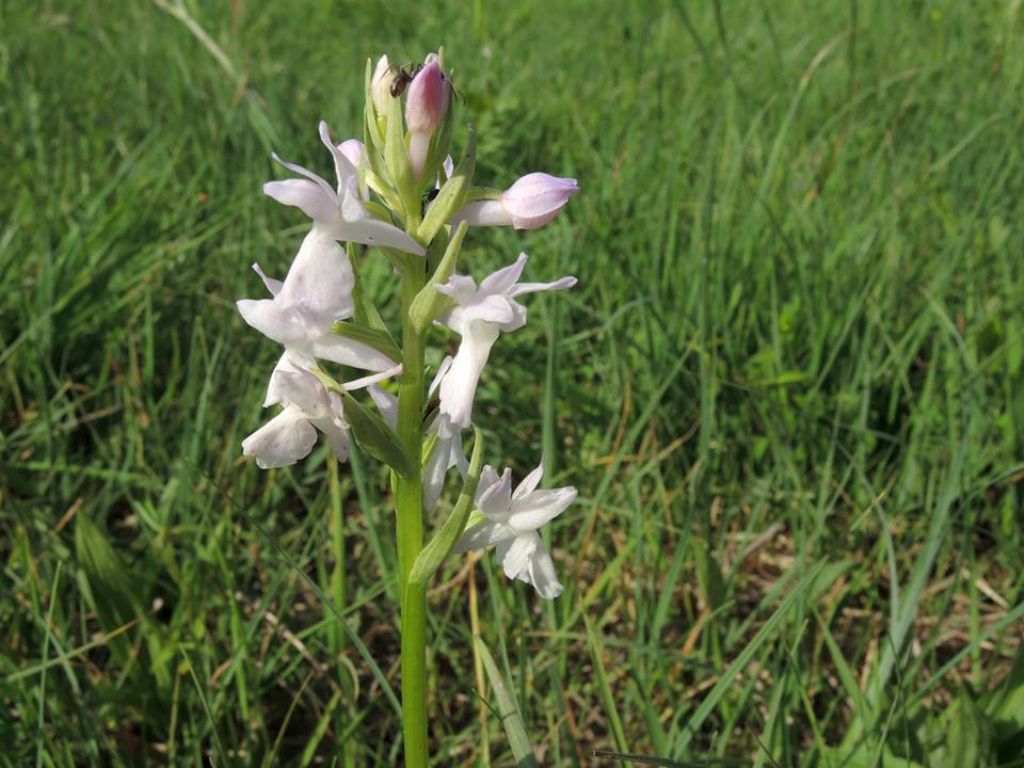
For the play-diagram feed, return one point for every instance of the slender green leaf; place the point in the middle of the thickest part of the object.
(508, 711)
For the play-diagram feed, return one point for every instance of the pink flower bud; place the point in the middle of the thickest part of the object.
(534, 199)
(531, 202)
(428, 99)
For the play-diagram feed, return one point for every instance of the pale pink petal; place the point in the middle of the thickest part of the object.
(339, 349)
(320, 281)
(343, 167)
(357, 225)
(536, 198)
(531, 512)
(484, 534)
(387, 404)
(515, 556)
(283, 440)
(366, 381)
(267, 317)
(274, 286)
(529, 483)
(354, 151)
(458, 388)
(321, 206)
(494, 501)
(442, 369)
(502, 280)
(556, 285)
(541, 574)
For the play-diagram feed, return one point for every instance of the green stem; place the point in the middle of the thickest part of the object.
(409, 508)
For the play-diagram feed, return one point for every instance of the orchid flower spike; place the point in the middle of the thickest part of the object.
(480, 314)
(308, 407)
(511, 521)
(339, 214)
(316, 292)
(429, 97)
(530, 203)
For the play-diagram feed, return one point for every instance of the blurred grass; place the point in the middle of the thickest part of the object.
(788, 386)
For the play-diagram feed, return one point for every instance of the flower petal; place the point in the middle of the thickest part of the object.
(496, 498)
(343, 167)
(301, 389)
(442, 369)
(482, 213)
(531, 512)
(506, 277)
(557, 285)
(337, 437)
(387, 404)
(313, 200)
(320, 281)
(462, 288)
(274, 286)
(436, 469)
(515, 556)
(458, 388)
(270, 319)
(354, 151)
(484, 534)
(339, 349)
(366, 381)
(529, 483)
(541, 574)
(283, 440)
(357, 225)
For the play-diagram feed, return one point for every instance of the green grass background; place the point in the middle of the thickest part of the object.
(788, 387)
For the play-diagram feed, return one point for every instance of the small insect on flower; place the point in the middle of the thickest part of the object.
(402, 77)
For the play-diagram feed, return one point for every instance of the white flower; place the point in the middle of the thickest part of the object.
(339, 214)
(511, 522)
(479, 315)
(316, 293)
(308, 407)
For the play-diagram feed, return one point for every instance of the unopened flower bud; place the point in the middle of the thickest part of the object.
(380, 85)
(531, 202)
(428, 99)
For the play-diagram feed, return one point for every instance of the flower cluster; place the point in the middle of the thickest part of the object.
(399, 191)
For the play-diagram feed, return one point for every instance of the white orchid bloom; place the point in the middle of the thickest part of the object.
(480, 314)
(339, 214)
(316, 293)
(308, 407)
(511, 523)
